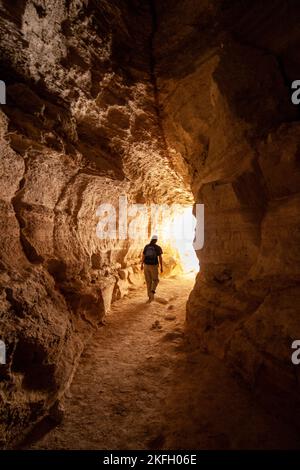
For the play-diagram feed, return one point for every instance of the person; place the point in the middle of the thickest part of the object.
(151, 259)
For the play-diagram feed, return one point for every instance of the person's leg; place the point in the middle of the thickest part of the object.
(154, 277)
(148, 278)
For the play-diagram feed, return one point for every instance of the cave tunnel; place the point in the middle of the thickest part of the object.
(174, 103)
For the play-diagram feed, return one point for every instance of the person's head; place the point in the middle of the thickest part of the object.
(154, 239)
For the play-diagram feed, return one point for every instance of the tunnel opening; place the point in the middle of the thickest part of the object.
(176, 228)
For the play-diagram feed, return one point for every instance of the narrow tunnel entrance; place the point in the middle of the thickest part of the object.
(177, 232)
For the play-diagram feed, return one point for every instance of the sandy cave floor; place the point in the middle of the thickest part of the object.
(139, 385)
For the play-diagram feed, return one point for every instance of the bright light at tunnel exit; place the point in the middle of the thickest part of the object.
(182, 232)
(179, 232)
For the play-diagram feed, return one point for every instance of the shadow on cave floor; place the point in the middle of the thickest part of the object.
(140, 386)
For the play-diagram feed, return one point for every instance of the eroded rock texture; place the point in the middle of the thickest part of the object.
(227, 112)
(80, 128)
(150, 100)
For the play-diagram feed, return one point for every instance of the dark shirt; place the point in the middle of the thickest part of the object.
(151, 260)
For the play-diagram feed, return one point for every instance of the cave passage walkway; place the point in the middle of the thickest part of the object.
(140, 385)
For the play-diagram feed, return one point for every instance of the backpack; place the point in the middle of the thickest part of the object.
(150, 255)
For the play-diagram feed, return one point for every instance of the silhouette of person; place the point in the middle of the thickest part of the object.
(151, 260)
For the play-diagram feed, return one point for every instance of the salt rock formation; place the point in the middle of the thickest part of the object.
(162, 102)
(80, 128)
(227, 112)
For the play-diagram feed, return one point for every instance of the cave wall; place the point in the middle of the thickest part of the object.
(226, 108)
(79, 129)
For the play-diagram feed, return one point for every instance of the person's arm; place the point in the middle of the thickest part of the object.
(142, 262)
(160, 263)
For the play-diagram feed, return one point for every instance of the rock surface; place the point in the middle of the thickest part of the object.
(136, 391)
(162, 102)
(79, 129)
(227, 114)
